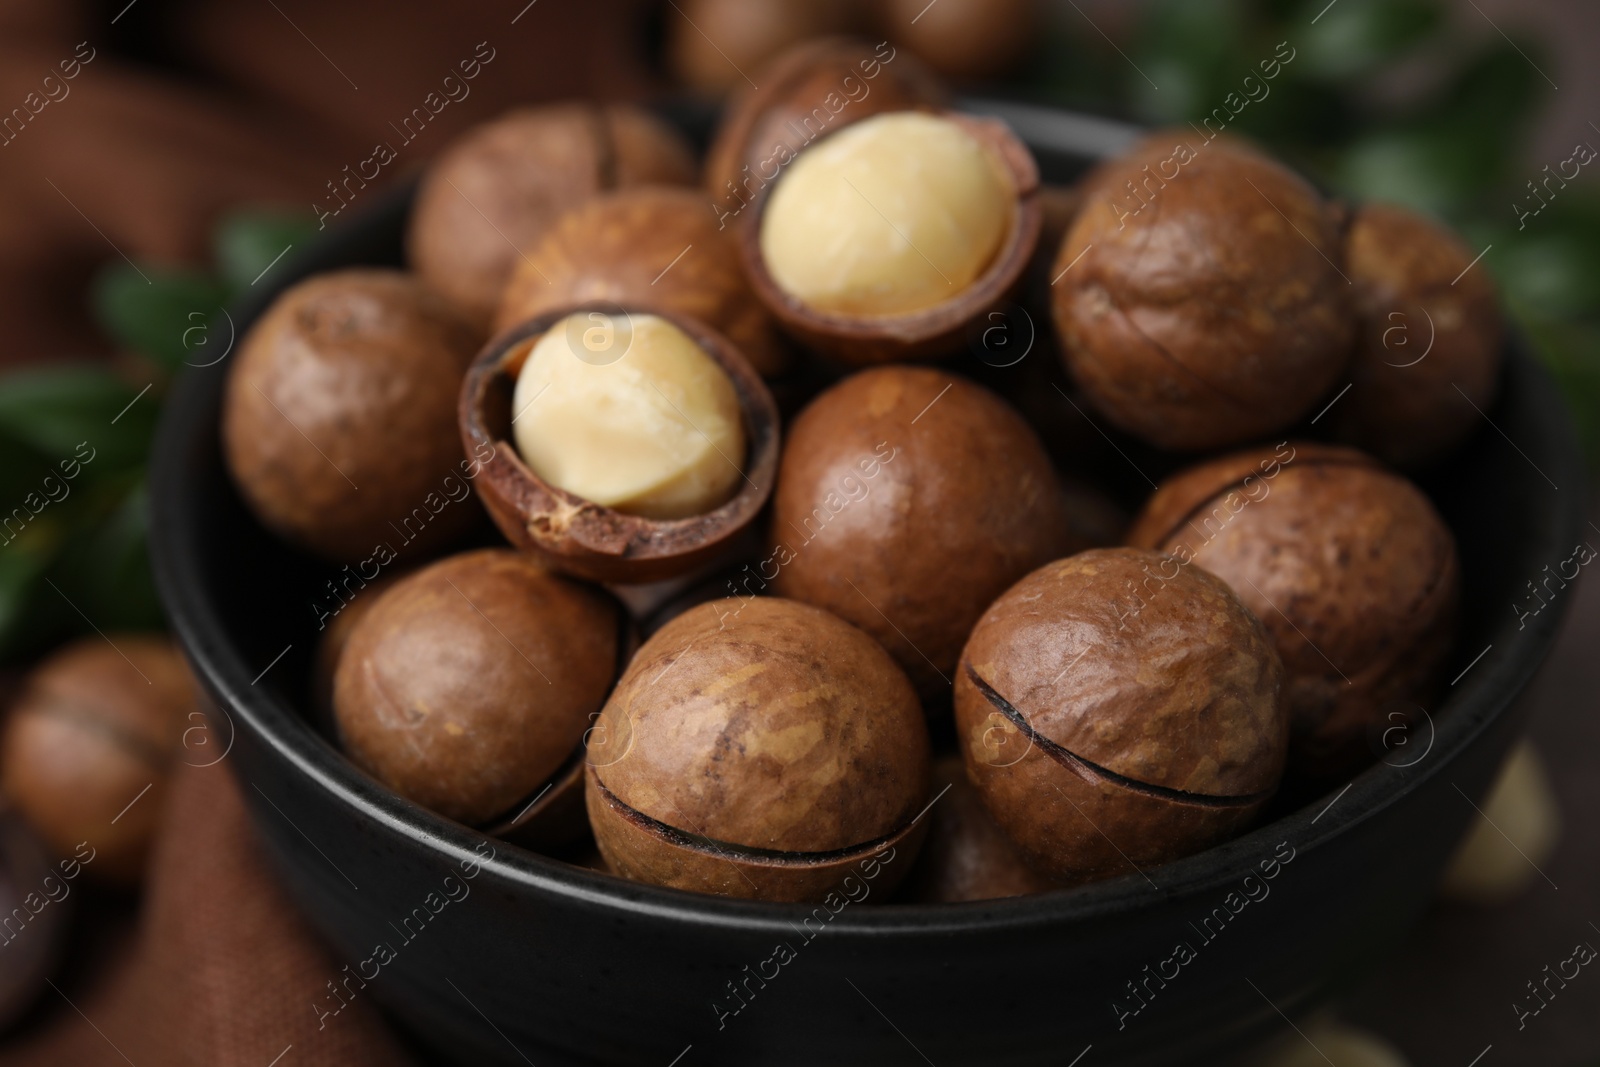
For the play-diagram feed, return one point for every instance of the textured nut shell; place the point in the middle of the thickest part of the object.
(716, 42)
(967, 505)
(758, 120)
(1412, 297)
(651, 245)
(587, 539)
(780, 727)
(1216, 313)
(335, 636)
(90, 731)
(1349, 567)
(930, 332)
(339, 416)
(1148, 743)
(492, 194)
(966, 40)
(469, 684)
(633, 848)
(966, 856)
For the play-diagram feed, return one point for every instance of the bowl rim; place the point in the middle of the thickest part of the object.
(190, 424)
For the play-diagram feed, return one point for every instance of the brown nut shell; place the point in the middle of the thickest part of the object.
(966, 856)
(757, 748)
(1348, 566)
(88, 747)
(908, 499)
(927, 333)
(802, 94)
(1119, 708)
(335, 635)
(577, 535)
(713, 45)
(651, 243)
(1430, 343)
(1199, 303)
(468, 686)
(495, 191)
(339, 419)
(964, 40)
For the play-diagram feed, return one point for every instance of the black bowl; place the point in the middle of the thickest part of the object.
(539, 961)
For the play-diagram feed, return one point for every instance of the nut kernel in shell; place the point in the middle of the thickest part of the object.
(655, 431)
(894, 214)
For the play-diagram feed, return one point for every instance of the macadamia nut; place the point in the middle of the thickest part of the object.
(1511, 839)
(1325, 1041)
(891, 215)
(627, 411)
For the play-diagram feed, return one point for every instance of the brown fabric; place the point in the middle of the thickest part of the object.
(223, 971)
(248, 107)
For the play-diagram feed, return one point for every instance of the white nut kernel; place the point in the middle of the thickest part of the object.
(891, 215)
(1514, 837)
(655, 431)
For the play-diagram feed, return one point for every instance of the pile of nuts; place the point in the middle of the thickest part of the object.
(775, 573)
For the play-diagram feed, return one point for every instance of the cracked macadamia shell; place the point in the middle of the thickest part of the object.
(586, 538)
(811, 89)
(656, 432)
(1348, 566)
(659, 245)
(1430, 341)
(942, 220)
(1198, 299)
(495, 191)
(758, 748)
(909, 498)
(892, 215)
(339, 421)
(467, 687)
(1118, 709)
(97, 724)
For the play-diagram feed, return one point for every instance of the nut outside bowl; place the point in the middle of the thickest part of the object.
(579, 536)
(927, 333)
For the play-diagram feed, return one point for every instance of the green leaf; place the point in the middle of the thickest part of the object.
(26, 623)
(1552, 272)
(1425, 168)
(157, 313)
(1353, 38)
(1187, 57)
(105, 567)
(79, 414)
(1569, 350)
(248, 242)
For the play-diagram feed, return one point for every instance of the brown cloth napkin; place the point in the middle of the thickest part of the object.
(182, 109)
(223, 970)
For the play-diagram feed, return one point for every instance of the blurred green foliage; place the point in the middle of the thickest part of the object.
(1409, 101)
(75, 442)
